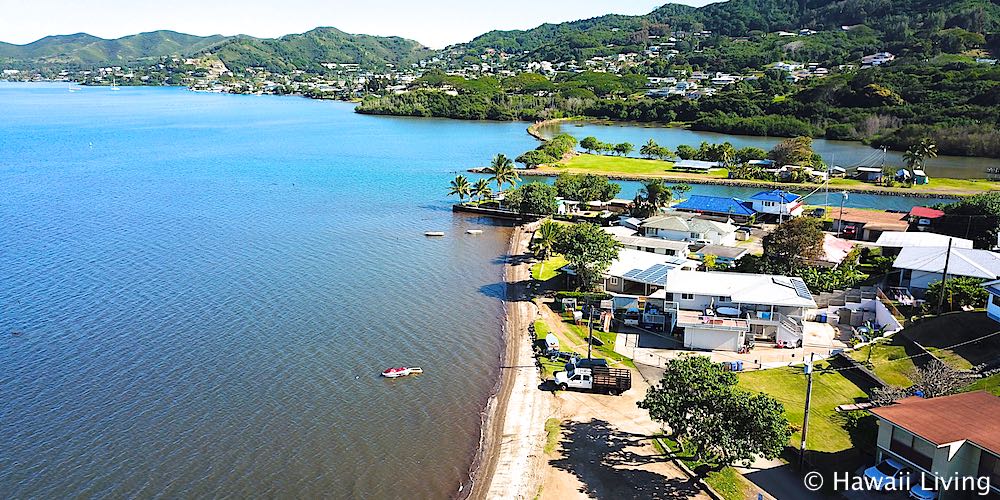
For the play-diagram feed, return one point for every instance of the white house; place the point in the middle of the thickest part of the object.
(921, 266)
(640, 273)
(654, 245)
(903, 239)
(993, 303)
(777, 202)
(672, 227)
(877, 59)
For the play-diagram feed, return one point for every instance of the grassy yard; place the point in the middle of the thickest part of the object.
(939, 334)
(830, 389)
(606, 351)
(888, 363)
(548, 268)
(727, 481)
(553, 428)
(990, 384)
(586, 163)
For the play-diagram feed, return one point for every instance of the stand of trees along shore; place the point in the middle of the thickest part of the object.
(957, 106)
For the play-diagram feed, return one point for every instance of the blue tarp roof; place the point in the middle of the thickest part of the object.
(716, 204)
(777, 196)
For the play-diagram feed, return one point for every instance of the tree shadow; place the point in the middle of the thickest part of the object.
(601, 457)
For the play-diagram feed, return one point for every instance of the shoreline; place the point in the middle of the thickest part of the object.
(513, 433)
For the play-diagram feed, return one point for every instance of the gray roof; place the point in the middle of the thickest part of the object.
(722, 251)
(963, 261)
(642, 241)
(900, 239)
(675, 223)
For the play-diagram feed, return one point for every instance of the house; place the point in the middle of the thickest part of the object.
(892, 241)
(923, 217)
(654, 245)
(763, 307)
(869, 174)
(993, 303)
(732, 208)
(723, 254)
(835, 250)
(945, 437)
(877, 59)
(866, 225)
(921, 266)
(640, 273)
(696, 230)
(777, 202)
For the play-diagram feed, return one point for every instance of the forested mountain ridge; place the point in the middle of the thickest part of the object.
(84, 49)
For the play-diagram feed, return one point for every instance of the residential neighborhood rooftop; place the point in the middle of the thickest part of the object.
(644, 267)
(900, 239)
(926, 212)
(674, 223)
(775, 195)
(740, 287)
(725, 252)
(716, 204)
(643, 241)
(963, 261)
(943, 420)
(879, 221)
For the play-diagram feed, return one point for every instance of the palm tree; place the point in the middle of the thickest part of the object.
(927, 149)
(502, 172)
(912, 158)
(650, 149)
(545, 238)
(460, 187)
(654, 196)
(481, 189)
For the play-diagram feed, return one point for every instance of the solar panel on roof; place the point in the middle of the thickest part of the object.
(801, 289)
(632, 274)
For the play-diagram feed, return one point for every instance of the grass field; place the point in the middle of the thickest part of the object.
(830, 389)
(727, 481)
(606, 351)
(889, 361)
(615, 165)
(549, 268)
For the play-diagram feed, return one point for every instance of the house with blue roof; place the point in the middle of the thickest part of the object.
(777, 202)
(733, 208)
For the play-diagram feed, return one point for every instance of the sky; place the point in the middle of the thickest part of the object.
(435, 23)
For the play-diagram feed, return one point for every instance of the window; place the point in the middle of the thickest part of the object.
(613, 280)
(912, 448)
(694, 235)
(586, 378)
(687, 296)
(723, 298)
(989, 466)
(995, 299)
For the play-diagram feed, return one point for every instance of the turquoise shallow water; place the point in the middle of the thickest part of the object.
(206, 287)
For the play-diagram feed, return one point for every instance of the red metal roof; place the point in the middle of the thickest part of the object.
(972, 416)
(926, 212)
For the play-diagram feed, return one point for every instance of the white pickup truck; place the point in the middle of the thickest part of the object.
(594, 375)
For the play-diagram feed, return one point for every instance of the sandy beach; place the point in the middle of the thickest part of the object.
(514, 430)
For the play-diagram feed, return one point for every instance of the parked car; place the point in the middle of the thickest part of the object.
(919, 492)
(819, 213)
(887, 475)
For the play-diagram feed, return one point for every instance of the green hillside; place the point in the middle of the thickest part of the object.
(84, 49)
(307, 51)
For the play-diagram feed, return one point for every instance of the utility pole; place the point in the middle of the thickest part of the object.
(840, 222)
(944, 277)
(590, 333)
(805, 419)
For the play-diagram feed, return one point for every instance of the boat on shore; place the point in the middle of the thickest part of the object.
(401, 371)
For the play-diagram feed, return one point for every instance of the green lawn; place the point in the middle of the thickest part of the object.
(616, 165)
(888, 363)
(990, 384)
(553, 428)
(940, 333)
(830, 389)
(606, 351)
(549, 268)
(727, 481)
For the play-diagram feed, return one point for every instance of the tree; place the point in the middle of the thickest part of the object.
(588, 187)
(624, 148)
(959, 292)
(650, 149)
(796, 239)
(701, 404)
(795, 151)
(460, 187)
(534, 158)
(975, 217)
(590, 251)
(686, 152)
(502, 172)
(535, 198)
(653, 197)
(546, 238)
(590, 144)
(481, 189)
(932, 380)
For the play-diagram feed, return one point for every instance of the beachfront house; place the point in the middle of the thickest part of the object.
(718, 206)
(921, 266)
(640, 273)
(654, 245)
(993, 302)
(946, 437)
(694, 230)
(869, 174)
(777, 202)
(720, 310)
